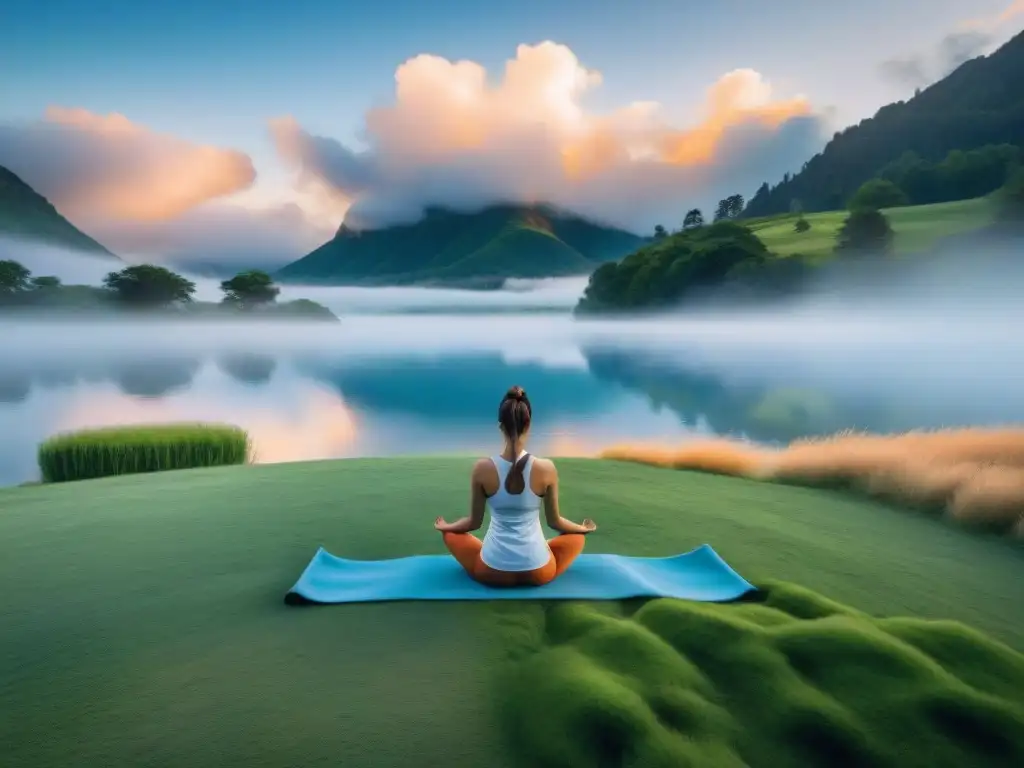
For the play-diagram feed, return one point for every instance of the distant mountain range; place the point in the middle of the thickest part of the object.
(24, 213)
(451, 247)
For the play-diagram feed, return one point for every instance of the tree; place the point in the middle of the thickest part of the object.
(866, 230)
(694, 218)
(14, 278)
(729, 207)
(45, 283)
(659, 232)
(250, 289)
(147, 285)
(802, 225)
(1010, 201)
(736, 203)
(878, 194)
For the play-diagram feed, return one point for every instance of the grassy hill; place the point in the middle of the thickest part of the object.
(24, 213)
(144, 625)
(980, 103)
(916, 227)
(447, 246)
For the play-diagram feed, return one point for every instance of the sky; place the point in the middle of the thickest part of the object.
(248, 131)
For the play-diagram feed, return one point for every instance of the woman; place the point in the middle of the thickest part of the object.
(514, 551)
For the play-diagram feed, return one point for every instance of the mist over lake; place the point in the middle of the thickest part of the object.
(421, 371)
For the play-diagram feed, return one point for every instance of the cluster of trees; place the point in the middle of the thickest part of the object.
(727, 260)
(730, 207)
(912, 180)
(867, 230)
(976, 106)
(144, 287)
(958, 176)
(723, 256)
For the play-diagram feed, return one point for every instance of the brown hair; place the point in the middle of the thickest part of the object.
(514, 415)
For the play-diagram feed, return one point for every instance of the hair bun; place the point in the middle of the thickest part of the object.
(516, 393)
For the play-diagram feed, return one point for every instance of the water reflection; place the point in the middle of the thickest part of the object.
(430, 385)
(248, 367)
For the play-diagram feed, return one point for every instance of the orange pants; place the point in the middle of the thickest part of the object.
(465, 547)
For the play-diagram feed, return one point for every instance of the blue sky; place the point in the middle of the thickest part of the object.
(215, 71)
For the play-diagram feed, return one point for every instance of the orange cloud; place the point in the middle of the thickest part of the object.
(453, 136)
(739, 97)
(107, 167)
(1012, 11)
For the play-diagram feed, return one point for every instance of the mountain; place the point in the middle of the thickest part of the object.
(980, 103)
(26, 214)
(454, 247)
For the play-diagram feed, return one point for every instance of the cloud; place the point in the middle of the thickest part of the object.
(910, 71)
(106, 166)
(451, 137)
(154, 197)
(216, 235)
(920, 70)
(972, 38)
(958, 47)
(1014, 10)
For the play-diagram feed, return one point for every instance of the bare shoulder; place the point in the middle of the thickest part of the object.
(484, 468)
(485, 476)
(546, 467)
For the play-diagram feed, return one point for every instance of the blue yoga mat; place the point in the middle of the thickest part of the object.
(697, 575)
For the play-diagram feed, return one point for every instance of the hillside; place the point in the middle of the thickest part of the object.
(917, 228)
(27, 214)
(448, 247)
(980, 103)
(165, 642)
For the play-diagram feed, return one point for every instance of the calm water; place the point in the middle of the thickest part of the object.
(387, 384)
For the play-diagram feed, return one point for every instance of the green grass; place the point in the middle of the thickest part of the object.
(916, 227)
(143, 624)
(94, 453)
(795, 681)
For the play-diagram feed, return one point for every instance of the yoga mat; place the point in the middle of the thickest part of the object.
(698, 575)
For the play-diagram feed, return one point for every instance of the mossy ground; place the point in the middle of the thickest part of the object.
(143, 624)
(796, 680)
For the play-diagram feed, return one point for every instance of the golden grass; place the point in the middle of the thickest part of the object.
(975, 476)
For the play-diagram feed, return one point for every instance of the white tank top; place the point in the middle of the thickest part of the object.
(515, 539)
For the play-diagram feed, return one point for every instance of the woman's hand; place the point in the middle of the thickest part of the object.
(440, 525)
(588, 525)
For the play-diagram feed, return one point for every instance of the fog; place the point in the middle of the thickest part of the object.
(933, 343)
(76, 267)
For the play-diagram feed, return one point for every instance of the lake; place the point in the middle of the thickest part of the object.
(406, 373)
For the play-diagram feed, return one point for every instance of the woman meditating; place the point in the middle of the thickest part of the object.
(514, 552)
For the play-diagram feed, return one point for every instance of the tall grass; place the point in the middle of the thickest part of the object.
(148, 448)
(975, 476)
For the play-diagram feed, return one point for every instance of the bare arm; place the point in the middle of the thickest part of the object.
(552, 515)
(477, 504)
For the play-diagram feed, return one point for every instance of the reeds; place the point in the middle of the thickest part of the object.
(975, 476)
(145, 448)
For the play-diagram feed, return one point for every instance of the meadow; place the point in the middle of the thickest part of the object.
(916, 227)
(144, 624)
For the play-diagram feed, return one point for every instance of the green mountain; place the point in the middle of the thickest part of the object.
(450, 247)
(27, 214)
(980, 103)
